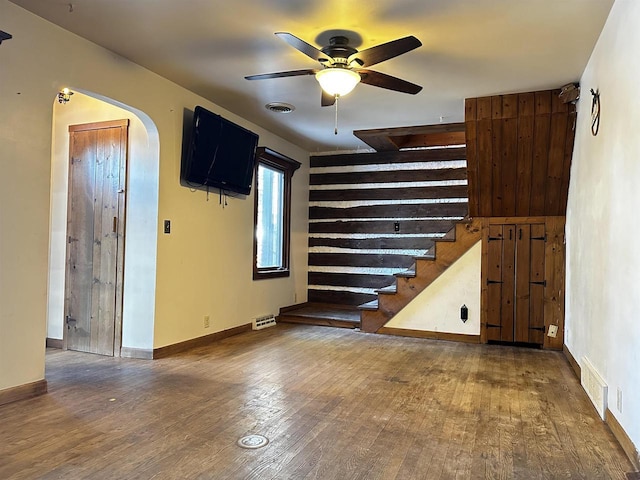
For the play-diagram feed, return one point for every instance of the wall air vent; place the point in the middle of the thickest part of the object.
(264, 322)
(594, 385)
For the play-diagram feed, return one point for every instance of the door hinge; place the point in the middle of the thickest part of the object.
(70, 322)
(544, 238)
(543, 283)
(494, 238)
(489, 282)
(493, 326)
(540, 329)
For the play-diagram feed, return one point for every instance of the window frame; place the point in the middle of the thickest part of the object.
(288, 166)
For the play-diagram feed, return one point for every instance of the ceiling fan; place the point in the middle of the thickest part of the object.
(343, 67)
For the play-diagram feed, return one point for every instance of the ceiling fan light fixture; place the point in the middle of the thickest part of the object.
(337, 81)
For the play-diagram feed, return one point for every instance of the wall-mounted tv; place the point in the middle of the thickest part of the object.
(218, 154)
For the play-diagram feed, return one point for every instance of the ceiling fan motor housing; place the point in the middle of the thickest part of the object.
(339, 49)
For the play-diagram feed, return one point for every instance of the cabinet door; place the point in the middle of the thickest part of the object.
(494, 282)
(501, 283)
(515, 283)
(537, 284)
(508, 284)
(523, 284)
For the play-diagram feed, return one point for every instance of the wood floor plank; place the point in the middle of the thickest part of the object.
(334, 403)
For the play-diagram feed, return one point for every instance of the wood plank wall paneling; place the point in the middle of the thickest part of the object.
(390, 211)
(383, 226)
(353, 243)
(389, 176)
(339, 297)
(361, 260)
(519, 149)
(378, 158)
(405, 193)
(390, 243)
(349, 279)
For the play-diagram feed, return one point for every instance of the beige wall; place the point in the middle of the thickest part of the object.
(203, 267)
(603, 258)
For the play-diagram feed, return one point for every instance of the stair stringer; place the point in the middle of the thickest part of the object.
(409, 284)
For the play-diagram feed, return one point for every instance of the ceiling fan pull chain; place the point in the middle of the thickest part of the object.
(335, 130)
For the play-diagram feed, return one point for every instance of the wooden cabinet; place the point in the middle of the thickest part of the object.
(523, 280)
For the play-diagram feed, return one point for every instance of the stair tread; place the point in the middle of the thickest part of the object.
(324, 312)
(406, 274)
(372, 305)
(391, 289)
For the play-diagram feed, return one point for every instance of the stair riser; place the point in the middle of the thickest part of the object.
(371, 321)
(392, 304)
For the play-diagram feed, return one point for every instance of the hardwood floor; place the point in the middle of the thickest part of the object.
(335, 404)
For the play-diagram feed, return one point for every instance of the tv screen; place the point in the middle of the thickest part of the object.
(219, 154)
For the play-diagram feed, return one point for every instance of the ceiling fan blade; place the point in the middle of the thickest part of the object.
(380, 53)
(304, 47)
(290, 73)
(382, 80)
(327, 99)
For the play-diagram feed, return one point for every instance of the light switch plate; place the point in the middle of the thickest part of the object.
(553, 331)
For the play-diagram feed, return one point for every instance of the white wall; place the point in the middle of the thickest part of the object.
(603, 258)
(203, 267)
(437, 308)
(141, 215)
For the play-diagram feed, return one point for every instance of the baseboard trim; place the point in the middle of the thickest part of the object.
(623, 439)
(22, 392)
(175, 348)
(572, 361)
(451, 337)
(54, 343)
(140, 353)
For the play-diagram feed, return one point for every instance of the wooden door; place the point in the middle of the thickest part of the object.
(95, 234)
(515, 283)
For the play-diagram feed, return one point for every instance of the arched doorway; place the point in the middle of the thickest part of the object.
(141, 193)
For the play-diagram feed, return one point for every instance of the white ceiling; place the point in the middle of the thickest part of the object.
(470, 48)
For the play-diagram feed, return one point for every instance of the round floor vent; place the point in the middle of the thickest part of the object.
(253, 441)
(279, 107)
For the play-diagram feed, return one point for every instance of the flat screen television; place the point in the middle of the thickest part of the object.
(218, 154)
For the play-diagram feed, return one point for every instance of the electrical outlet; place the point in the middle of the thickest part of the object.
(206, 321)
(396, 227)
(619, 400)
(553, 331)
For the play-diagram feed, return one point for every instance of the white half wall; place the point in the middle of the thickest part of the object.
(603, 258)
(437, 308)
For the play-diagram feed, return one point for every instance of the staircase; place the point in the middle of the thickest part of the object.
(426, 269)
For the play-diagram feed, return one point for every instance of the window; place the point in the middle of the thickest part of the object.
(272, 218)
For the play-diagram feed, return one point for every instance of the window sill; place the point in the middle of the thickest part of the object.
(275, 273)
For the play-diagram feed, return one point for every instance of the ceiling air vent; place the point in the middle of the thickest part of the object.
(279, 107)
